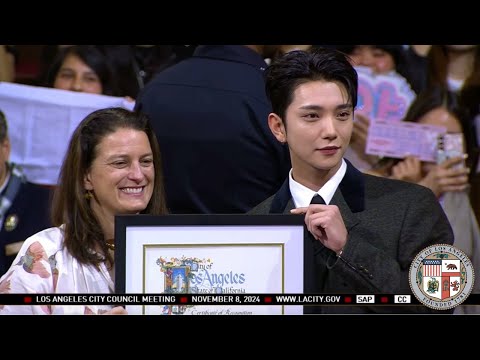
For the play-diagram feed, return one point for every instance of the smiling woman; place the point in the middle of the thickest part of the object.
(112, 167)
(121, 177)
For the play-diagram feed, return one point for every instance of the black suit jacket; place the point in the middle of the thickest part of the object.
(388, 221)
(31, 208)
(210, 113)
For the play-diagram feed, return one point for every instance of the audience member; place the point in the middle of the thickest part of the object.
(83, 68)
(24, 206)
(456, 68)
(135, 65)
(415, 66)
(381, 60)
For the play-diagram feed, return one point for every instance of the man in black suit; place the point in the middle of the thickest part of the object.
(24, 207)
(209, 113)
(371, 228)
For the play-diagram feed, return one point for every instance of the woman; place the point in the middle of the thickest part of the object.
(456, 68)
(112, 167)
(431, 107)
(83, 68)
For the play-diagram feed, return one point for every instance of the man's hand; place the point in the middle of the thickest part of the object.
(326, 225)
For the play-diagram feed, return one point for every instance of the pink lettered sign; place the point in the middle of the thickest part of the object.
(402, 138)
(383, 97)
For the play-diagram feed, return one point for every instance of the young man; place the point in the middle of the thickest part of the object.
(366, 236)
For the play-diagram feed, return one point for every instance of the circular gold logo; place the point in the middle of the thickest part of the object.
(11, 222)
(441, 276)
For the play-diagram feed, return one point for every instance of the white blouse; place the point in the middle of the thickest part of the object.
(44, 266)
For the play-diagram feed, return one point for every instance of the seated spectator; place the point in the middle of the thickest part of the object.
(135, 65)
(24, 206)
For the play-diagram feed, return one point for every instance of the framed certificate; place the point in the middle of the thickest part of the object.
(209, 254)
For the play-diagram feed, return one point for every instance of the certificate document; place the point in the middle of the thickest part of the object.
(210, 254)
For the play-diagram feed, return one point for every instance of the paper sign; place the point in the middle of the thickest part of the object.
(400, 139)
(383, 97)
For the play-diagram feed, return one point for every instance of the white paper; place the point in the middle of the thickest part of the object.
(41, 121)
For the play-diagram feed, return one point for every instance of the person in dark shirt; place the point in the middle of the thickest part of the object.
(209, 113)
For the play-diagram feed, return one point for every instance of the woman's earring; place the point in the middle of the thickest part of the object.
(88, 195)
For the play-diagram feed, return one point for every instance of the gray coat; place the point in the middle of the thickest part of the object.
(388, 221)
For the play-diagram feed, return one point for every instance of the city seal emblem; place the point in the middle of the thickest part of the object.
(441, 276)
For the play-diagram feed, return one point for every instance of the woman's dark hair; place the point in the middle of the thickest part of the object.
(70, 205)
(467, 99)
(429, 99)
(3, 127)
(439, 96)
(135, 65)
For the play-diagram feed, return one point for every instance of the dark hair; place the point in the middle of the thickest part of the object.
(95, 59)
(468, 97)
(429, 99)
(135, 65)
(294, 68)
(70, 206)
(3, 127)
(396, 51)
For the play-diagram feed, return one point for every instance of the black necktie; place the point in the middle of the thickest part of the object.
(317, 199)
(314, 274)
